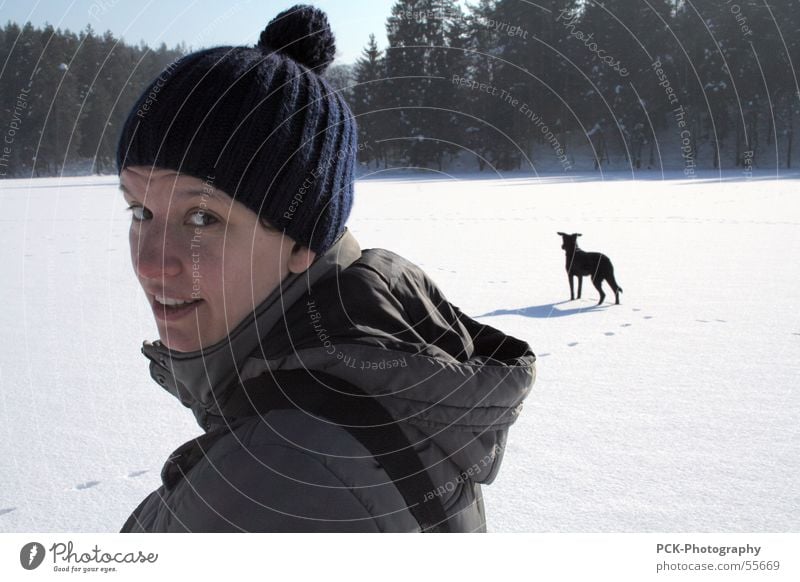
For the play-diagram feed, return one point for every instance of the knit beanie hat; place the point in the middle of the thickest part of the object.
(259, 123)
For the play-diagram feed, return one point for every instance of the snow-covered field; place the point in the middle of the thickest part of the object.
(674, 411)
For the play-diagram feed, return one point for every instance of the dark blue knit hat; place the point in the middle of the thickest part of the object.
(260, 124)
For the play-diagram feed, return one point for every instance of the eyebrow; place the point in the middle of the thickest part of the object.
(189, 192)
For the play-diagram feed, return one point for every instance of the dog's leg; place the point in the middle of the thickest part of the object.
(598, 284)
(580, 286)
(571, 289)
(613, 282)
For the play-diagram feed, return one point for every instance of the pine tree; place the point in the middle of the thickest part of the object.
(21, 131)
(368, 100)
(482, 136)
(774, 100)
(618, 43)
(720, 84)
(68, 95)
(420, 34)
(533, 65)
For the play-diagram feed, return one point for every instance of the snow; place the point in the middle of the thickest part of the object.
(674, 411)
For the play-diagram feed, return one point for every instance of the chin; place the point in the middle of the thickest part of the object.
(180, 346)
(178, 342)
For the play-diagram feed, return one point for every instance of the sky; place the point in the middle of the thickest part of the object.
(200, 23)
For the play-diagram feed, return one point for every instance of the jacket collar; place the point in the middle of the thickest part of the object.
(204, 379)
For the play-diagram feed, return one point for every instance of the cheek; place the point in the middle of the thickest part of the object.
(206, 271)
(244, 279)
(252, 274)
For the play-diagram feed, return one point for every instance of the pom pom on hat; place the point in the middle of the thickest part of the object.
(302, 32)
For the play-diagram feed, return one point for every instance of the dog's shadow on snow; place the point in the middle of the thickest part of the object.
(547, 310)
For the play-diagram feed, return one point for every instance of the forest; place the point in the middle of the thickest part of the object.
(559, 85)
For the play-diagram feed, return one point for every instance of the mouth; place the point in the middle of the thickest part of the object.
(170, 309)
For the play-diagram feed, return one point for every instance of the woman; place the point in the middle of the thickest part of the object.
(337, 388)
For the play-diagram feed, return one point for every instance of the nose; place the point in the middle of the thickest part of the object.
(155, 252)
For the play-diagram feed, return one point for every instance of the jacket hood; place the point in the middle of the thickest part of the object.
(378, 321)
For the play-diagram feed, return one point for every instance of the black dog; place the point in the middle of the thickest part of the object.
(596, 265)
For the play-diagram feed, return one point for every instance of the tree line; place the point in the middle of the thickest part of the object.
(64, 96)
(636, 83)
(505, 84)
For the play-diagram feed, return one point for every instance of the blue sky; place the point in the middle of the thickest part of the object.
(200, 23)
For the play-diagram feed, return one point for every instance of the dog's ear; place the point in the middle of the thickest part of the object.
(561, 234)
(578, 234)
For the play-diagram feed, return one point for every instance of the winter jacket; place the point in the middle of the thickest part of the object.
(372, 319)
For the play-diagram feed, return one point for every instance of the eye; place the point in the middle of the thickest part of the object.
(201, 218)
(139, 213)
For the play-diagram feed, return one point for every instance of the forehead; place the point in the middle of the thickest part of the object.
(139, 181)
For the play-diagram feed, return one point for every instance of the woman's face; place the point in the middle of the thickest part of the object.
(203, 260)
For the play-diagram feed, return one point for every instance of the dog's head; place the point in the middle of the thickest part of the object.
(569, 241)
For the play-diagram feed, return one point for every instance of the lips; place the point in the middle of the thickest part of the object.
(174, 309)
(173, 302)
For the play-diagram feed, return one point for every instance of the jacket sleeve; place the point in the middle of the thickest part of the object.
(272, 488)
